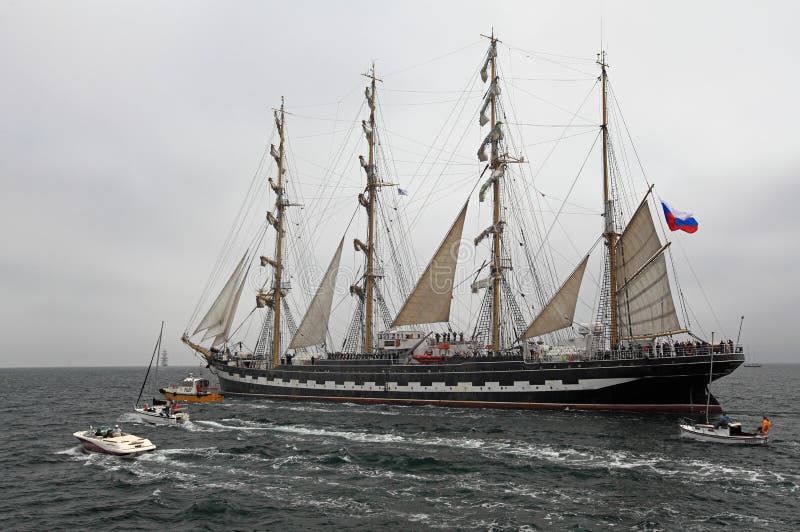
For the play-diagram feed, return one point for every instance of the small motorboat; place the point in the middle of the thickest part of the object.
(731, 434)
(192, 390)
(162, 413)
(111, 440)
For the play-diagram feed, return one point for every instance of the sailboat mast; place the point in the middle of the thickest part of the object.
(276, 326)
(610, 233)
(496, 241)
(371, 187)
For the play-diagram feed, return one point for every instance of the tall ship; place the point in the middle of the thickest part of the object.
(520, 344)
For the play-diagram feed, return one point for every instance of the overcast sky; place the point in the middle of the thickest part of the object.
(130, 132)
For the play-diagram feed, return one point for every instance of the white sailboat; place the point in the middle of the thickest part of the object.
(158, 412)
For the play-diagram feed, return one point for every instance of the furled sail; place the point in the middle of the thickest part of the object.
(492, 53)
(494, 135)
(217, 319)
(314, 326)
(560, 310)
(430, 300)
(497, 173)
(494, 91)
(645, 306)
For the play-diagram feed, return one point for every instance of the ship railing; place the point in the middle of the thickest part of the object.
(667, 350)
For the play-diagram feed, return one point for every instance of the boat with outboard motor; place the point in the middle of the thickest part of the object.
(731, 434)
(111, 440)
(162, 413)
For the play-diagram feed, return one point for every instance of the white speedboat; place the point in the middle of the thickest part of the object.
(110, 440)
(731, 434)
(162, 413)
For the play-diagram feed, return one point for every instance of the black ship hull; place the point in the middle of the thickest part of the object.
(670, 384)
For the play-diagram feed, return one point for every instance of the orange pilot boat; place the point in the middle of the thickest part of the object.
(192, 390)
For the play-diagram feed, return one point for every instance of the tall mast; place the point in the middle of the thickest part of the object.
(496, 240)
(608, 203)
(280, 204)
(371, 188)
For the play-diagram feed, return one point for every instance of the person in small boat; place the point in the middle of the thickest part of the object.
(766, 424)
(724, 421)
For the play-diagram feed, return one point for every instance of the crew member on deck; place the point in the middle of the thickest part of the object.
(765, 426)
(724, 421)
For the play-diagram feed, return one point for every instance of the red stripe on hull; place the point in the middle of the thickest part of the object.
(489, 404)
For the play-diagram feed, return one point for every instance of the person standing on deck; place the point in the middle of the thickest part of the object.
(766, 424)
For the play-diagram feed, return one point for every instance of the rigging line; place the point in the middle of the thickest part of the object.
(553, 79)
(564, 137)
(580, 171)
(415, 141)
(543, 100)
(324, 134)
(429, 91)
(586, 210)
(630, 138)
(429, 61)
(552, 149)
(455, 117)
(334, 164)
(552, 125)
(412, 152)
(684, 303)
(538, 55)
(548, 262)
(321, 118)
(228, 242)
(411, 104)
(459, 142)
(405, 241)
(321, 183)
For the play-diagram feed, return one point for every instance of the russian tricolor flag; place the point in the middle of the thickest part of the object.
(679, 220)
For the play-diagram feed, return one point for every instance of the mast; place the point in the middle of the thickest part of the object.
(280, 204)
(609, 233)
(371, 188)
(496, 240)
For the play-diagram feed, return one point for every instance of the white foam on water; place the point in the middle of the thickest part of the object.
(75, 452)
(129, 417)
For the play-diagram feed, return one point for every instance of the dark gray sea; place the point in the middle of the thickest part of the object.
(246, 464)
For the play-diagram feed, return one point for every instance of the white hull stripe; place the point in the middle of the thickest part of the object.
(461, 387)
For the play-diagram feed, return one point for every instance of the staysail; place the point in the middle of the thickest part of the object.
(645, 306)
(560, 310)
(314, 326)
(430, 300)
(217, 320)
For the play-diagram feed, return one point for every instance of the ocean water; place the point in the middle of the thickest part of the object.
(248, 464)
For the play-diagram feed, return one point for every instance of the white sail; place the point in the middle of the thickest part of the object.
(222, 337)
(645, 307)
(215, 320)
(637, 245)
(430, 300)
(314, 326)
(560, 310)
